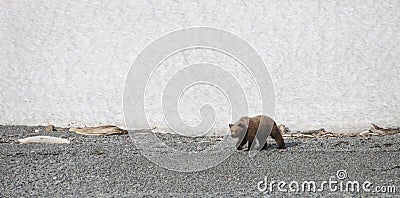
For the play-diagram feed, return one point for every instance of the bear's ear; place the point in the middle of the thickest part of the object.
(230, 125)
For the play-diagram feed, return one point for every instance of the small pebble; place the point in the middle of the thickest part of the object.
(49, 128)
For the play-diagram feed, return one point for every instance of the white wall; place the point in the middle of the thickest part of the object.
(334, 64)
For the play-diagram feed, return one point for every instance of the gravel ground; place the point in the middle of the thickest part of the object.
(113, 166)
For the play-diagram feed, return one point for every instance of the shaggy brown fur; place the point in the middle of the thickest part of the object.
(247, 128)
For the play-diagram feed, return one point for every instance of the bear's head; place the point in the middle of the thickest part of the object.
(239, 128)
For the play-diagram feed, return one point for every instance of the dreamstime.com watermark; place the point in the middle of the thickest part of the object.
(336, 183)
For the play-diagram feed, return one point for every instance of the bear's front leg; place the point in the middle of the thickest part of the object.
(277, 136)
(250, 143)
(240, 144)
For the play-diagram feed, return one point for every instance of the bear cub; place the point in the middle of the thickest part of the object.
(247, 128)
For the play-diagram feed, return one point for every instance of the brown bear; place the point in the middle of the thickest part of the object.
(247, 128)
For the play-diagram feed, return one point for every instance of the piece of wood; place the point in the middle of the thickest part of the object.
(99, 131)
(312, 132)
(43, 140)
(282, 129)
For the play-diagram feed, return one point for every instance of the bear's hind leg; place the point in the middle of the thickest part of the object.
(263, 142)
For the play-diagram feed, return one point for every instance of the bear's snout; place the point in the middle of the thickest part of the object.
(234, 135)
